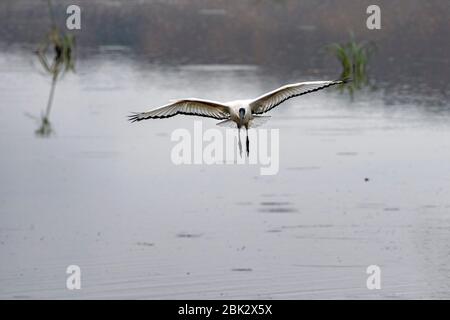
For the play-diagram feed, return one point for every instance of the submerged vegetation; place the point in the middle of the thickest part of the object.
(55, 65)
(354, 58)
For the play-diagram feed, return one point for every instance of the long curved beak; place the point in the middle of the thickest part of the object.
(241, 115)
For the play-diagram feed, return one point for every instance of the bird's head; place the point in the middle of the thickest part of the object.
(241, 114)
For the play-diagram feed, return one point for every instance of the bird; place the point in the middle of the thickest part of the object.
(238, 113)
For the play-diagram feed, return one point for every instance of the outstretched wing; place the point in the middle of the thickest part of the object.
(272, 99)
(191, 107)
(258, 121)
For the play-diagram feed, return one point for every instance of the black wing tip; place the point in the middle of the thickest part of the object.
(344, 80)
(134, 117)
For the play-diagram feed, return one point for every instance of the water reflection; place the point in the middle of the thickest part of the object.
(45, 128)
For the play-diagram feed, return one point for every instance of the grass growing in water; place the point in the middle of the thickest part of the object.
(354, 58)
(62, 61)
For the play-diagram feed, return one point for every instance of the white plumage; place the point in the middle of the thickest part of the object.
(242, 113)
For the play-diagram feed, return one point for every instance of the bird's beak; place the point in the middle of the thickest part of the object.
(241, 114)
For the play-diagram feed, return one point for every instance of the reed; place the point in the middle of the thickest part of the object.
(354, 58)
(56, 55)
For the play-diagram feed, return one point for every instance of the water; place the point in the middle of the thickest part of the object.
(363, 182)
(103, 194)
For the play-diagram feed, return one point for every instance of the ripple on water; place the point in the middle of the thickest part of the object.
(242, 269)
(303, 168)
(277, 207)
(145, 244)
(189, 235)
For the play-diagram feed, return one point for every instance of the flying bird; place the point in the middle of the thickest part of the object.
(238, 113)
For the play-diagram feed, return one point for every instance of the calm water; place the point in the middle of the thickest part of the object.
(103, 194)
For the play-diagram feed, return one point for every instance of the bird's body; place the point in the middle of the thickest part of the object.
(243, 113)
(237, 105)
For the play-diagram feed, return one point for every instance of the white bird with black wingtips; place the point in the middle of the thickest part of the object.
(242, 113)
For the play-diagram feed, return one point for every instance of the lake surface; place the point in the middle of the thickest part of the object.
(360, 183)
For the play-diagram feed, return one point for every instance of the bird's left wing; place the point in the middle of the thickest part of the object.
(272, 99)
(193, 107)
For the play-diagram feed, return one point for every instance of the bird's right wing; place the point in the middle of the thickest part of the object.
(192, 107)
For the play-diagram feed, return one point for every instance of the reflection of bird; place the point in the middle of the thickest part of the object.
(242, 113)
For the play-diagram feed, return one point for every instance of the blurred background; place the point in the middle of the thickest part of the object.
(364, 169)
